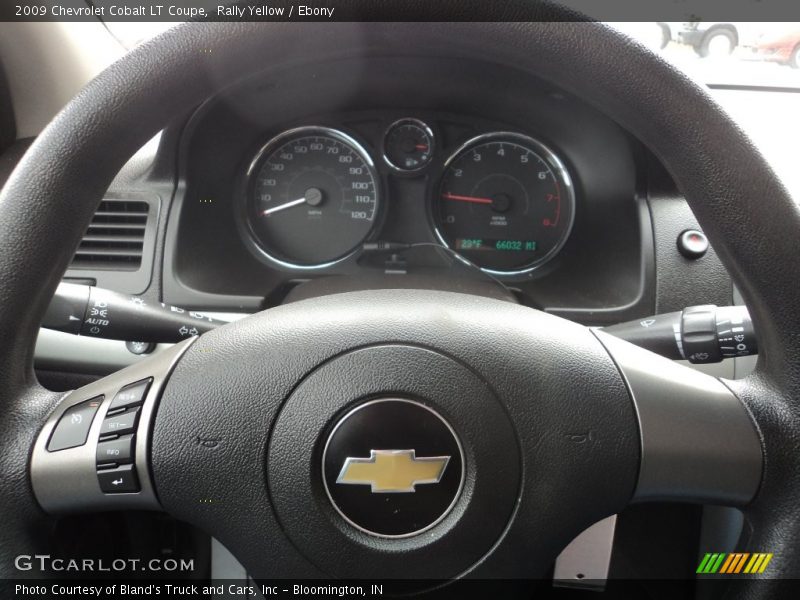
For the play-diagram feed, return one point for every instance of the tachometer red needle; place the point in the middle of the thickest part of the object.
(449, 196)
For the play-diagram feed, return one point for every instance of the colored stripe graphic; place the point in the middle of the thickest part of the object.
(703, 564)
(734, 563)
(711, 562)
(727, 564)
(758, 563)
(740, 564)
(765, 562)
(753, 561)
(715, 567)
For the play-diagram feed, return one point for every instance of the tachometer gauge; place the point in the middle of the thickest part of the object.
(505, 202)
(312, 197)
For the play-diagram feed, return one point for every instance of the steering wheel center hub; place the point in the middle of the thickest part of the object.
(391, 449)
(393, 468)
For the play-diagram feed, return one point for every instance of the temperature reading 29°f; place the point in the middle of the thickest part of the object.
(505, 202)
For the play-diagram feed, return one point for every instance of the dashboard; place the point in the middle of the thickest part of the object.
(395, 172)
(180, 222)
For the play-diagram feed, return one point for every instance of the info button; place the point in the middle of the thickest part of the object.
(119, 450)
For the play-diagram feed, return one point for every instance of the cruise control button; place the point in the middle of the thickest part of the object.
(73, 426)
(117, 451)
(119, 481)
(121, 423)
(131, 395)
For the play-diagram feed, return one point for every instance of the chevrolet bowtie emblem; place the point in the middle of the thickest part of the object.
(393, 471)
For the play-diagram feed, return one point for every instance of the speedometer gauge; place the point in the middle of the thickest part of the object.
(505, 202)
(312, 197)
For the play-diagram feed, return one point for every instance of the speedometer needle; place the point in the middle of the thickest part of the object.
(475, 200)
(275, 209)
(313, 197)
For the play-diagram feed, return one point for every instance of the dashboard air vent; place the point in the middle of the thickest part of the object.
(115, 238)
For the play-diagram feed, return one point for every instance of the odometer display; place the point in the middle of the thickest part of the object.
(489, 244)
(505, 202)
(312, 197)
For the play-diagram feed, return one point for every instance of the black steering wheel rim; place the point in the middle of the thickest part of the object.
(747, 214)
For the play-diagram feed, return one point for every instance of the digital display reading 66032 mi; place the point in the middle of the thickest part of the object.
(489, 244)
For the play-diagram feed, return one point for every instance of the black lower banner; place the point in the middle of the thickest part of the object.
(69, 589)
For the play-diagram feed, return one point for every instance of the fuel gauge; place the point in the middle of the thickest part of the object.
(408, 145)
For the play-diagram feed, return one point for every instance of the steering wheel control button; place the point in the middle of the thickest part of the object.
(120, 423)
(117, 451)
(122, 480)
(393, 468)
(693, 243)
(73, 426)
(131, 395)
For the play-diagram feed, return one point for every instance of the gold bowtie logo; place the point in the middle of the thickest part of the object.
(393, 471)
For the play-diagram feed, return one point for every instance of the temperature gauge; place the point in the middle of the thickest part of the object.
(408, 145)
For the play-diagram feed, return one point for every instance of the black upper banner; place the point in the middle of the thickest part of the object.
(400, 10)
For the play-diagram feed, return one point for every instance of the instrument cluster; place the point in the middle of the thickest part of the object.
(313, 195)
(375, 173)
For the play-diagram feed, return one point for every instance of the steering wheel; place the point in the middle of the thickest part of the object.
(287, 434)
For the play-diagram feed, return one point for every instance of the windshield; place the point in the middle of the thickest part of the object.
(763, 55)
(751, 68)
(726, 54)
